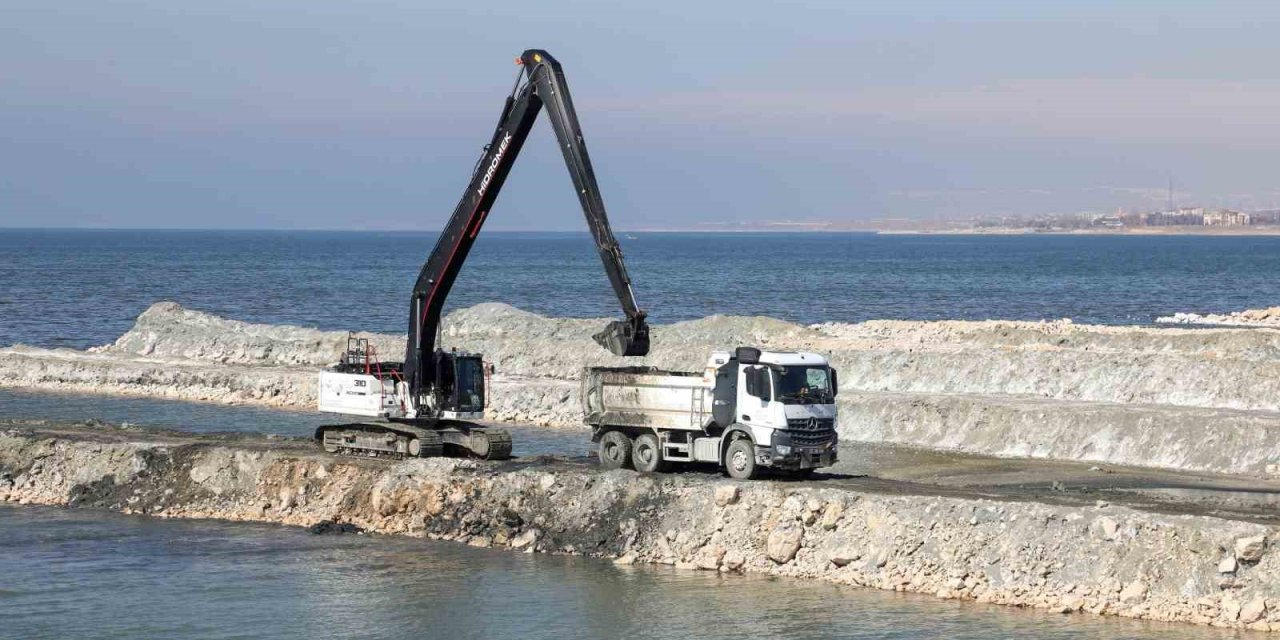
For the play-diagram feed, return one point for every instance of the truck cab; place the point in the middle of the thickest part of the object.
(747, 410)
(785, 402)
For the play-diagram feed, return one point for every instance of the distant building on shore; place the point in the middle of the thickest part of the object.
(1185, 216)
(1121, 219)
(1227, 218)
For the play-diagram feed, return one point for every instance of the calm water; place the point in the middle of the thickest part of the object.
(206, 418)
(82, 288)
(101, 575)
(77, 574)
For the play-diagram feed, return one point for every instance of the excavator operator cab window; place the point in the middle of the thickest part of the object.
(468, 384)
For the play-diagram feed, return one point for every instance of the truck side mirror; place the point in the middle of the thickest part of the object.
(835, 383)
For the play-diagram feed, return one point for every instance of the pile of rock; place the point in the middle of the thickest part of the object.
(1269, 317)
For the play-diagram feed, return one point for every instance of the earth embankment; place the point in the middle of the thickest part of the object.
(1096, 558)
(1203, 399)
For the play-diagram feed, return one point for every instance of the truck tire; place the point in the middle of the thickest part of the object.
(646, 454)
(614, 450)
(740, 459)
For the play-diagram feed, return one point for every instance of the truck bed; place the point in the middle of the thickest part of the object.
(646, 397)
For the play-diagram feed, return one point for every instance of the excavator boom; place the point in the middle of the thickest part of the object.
(540, 84)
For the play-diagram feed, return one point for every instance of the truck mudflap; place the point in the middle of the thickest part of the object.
(792, 458)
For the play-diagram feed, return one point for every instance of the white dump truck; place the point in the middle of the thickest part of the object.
(747, 411)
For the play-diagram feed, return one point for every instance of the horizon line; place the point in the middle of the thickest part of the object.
(341, 230)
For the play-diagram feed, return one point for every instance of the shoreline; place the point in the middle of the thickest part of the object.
(1103, 559)
(1232, 232)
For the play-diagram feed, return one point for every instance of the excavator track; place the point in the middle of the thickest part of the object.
(380, 440)
(399, 441)
(491, 444)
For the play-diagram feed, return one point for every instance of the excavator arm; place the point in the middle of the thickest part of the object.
(540, 84)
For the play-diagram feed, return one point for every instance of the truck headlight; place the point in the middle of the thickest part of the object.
(782, 449)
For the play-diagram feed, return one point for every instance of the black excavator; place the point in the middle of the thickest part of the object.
(428, 403)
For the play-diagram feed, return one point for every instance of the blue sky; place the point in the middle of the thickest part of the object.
(370, 115)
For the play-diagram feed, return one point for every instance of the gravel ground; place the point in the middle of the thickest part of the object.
(968, 540)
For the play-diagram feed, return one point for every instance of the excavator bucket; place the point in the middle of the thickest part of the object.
(625, 337)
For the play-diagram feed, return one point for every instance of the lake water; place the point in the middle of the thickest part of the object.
(84, 288)
(87, 575)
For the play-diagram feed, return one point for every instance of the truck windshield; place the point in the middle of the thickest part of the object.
(802, 385)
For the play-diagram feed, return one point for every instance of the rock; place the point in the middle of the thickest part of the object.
(1107, 528)
(525, 539)
(784, 542)
(511, 518)
(709, 557)
(844, 555)
(547, 481)
(880, 559)
(1230, 609)
(726, 494)
(1251, 549)
(812, 505)
(682, 540)
(831, 517)
(733, 560)
(329, 527)
(625, 559)
(483, 542)
(1134, 592)
(1072, 602)
(1253, 610)
(1227, 565)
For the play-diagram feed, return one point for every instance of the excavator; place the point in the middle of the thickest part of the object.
(428, 404)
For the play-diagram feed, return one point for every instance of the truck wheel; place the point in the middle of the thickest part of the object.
(740, 459)
(646, 453)
(614, 450)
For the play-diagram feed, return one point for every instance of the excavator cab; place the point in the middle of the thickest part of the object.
(459, 384)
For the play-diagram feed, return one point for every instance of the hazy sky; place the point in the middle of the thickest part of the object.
(292, 114)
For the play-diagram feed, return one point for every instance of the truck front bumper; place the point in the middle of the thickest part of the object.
(781, 456)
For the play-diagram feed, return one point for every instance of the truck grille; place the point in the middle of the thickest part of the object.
(811, 432)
